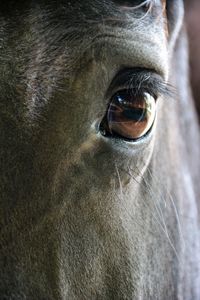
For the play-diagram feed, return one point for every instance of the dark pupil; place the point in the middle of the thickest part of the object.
(126, 107)
(129, 115)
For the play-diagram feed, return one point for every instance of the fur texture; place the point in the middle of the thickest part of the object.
(83, 216)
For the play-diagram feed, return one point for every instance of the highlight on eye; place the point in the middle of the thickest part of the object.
(129, 115)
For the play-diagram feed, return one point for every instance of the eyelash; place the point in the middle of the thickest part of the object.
(131, 109)
(140, 81)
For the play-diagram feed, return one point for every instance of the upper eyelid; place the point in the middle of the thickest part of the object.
(140, 80)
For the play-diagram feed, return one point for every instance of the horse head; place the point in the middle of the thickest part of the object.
(99, 150)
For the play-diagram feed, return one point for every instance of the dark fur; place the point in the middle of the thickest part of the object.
(81, 216)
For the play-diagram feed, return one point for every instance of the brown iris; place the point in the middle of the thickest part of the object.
(129, 115)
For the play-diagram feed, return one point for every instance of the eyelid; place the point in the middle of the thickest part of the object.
(139, 80)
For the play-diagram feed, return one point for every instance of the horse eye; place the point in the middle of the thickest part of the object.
(129, 116)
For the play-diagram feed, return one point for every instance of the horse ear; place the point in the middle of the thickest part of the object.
(175, 14)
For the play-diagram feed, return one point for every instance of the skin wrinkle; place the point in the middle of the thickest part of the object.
(83, 216)
(33, 83)
(63, 61)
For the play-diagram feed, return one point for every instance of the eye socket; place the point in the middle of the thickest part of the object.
(129, 115)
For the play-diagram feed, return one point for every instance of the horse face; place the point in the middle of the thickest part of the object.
(86, 196)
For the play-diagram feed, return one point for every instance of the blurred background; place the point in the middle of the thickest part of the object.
(192, 13)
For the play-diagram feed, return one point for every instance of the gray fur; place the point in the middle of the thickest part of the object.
(83, 216)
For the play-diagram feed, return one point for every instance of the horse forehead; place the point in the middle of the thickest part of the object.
(107, 20)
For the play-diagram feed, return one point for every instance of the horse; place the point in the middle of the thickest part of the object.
(99, 151)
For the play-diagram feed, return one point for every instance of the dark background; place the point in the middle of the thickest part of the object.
(192, 11)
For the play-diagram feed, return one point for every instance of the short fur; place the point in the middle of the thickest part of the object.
(83, 216)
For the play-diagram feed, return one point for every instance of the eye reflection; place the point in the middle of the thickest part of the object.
(128, 115)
